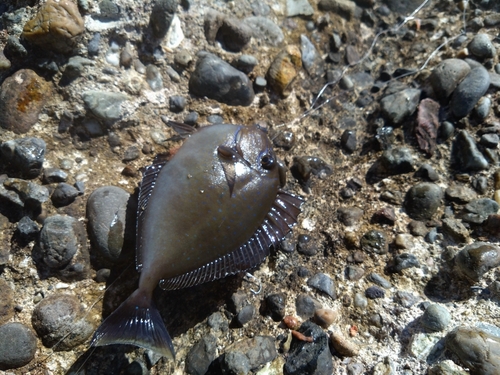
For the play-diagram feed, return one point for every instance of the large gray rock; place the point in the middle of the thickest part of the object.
(469, 91)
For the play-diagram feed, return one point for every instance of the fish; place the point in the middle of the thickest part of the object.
(213, 210)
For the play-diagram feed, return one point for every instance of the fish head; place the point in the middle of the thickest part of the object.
(249, 158)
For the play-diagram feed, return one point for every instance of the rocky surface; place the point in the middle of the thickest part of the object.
(393, 267)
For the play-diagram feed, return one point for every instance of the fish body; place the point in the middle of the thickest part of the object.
(213, 210)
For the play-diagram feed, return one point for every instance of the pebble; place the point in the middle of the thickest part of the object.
(245, 63)
(105, 105)
(161, 17)
(75, 68)
(93, 46)
(455, 229)
(131, 153)
(102, 275)
(306, 245)
(63, 247)
(298, 8)
(354, 273)
(64, 194)
(423, 200)
(374, 242)
(379, 280)
(56, 316)
(490, 140)
(177, 103)
(394, 161)
(349, 216)
(154, 78)
(275, 306)
(435, 318)
(218, 322)
(232, 33)
(23, 95)
(374, 292)
(447, 75)
(469, 158)
(476, 349)
(404, 261)
(265, 30)
(27, 229)
(191, 118)
(323, 283)
(201, 355)
(325, 317)
(6, 303)
(25, 154)
(228, 85)
(398, 106)
(469, 91)
(306, 306)
(360, 301)
(474, 260)
(343, 346)
(312, 358)
(481, 47)
(478, 210)
(308, 166)
(110, 213)
(311, 58)
(426, 171)
(32, 195)
(355, 369)
(348, 141)
(283, 70)
(52, 175)
(20, 347)
(482, 108)
(384, 216)
(182, 59)
(406, 299)
(256, 351)
(343, 8)
(126, 56)
(244, 315)
(426, 129)
(235, 363)
(56, 26)
(460, 194)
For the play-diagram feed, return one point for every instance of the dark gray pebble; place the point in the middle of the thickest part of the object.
(93, 46)
(17, 346)
(245, 315)
(305, 306)
(349, 215)
(469, 91)
(324, 284)
(427, 172)
(354, 273)
(109, 214)
(406, 299)
(25, 154)
(245, 63)
(52, 175)
(177, 103)
(447, 75)
(275, 306)
(483, 107)
(232, 33)
(56, 316)
(423, 200)
(474, 260)
(64, 194)
(478, 210)
(480, 184)
(404, 261)
(235, 363)
(285, 140)
(161, 17)
(490, 140)
(306, 245)
(131, 153)
(201, 355)
(265, 30)
(374, 292)
(481, 46)
(394, 161)
(216, 79)
(191, 118)
(379, 280)
(31, 194)
(348, 141)
(455, 230)
(445, 131)
(468, 156)
(374, 242)
(312, 358)
(102, 275)
(288, 245)
(311, 59)
(398, 106)
(27, 229)
(435, 318)
(218, 322)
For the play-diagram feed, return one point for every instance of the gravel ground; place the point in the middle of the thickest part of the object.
(396, 251)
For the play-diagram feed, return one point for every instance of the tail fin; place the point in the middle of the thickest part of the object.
(135, 322)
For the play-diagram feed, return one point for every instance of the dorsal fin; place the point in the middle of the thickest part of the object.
(184, 130)
(277, 224)
(147, 185)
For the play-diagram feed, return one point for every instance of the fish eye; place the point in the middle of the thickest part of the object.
(267, 160)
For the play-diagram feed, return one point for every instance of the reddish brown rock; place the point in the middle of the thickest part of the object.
(427, 125)
(56, 26)
(22, 97)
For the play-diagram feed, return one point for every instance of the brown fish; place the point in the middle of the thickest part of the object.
(212, 211)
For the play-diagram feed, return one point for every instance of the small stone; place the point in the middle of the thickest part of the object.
(75, 68)
(177, 103)
(474, 260)
(103, 275)
(478, 210)
(183, 58)
(258, 350)
(311, 59)
(423, 200)
(60, 319)
(246, 63)
(216, 79)
(131, 153)
(18, 346)
(215, 119)
(446, 130)
(480, 184)
(349, 216)
(306, 245)
(6, 304)
(64, 194)
(406, 299)
(56, 26)
(355, 369)
(275, 306)
(312, 358)
(404, 261)
(110, 212)
(161, 17)
(245, 315)
(354, 273)
(490, 140)
(265, 30)
(105, 105)
(379, 280)
(360, 301)
(469, 158)
(385, 215)
(191, 118)
(232, 33)
(25, 154)
(348, 141)
(460, 194)
(306, 306)
(374, 242)
(32, 195)
(298, 8)
(394, 161)
(27, 229)
(476, 349)
(374, 292)
(427, 172)
(154, 77)
(398, 106)
(94, 45)
(218, 322)
(236, 363)
(325, 317)
(482, 108)
(435, 318)
(342, 345)
(126, 56)
(447, 75)
(469, 91)
(344, 8)
(201, 355)
(52, 175)
(481, 47)
(285, 140)
(323, 283)
(427, 126)
(22, 98)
